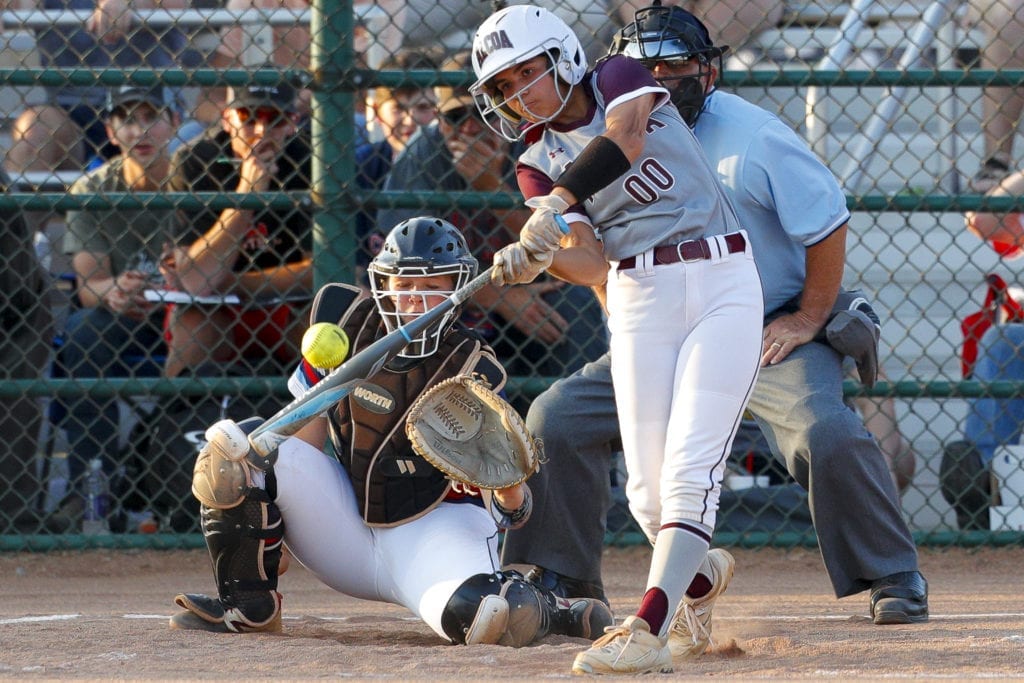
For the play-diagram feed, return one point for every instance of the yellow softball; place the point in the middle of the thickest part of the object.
(325, 346)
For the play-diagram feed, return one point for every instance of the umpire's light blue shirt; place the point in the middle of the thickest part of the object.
(784, 196)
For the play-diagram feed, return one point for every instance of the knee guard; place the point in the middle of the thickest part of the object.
(223, 474)
(505, 609)
(245, 546)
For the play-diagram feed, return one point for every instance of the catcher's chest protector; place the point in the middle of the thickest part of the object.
(391, 482)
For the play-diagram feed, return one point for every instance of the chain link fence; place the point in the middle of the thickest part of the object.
(913, 105)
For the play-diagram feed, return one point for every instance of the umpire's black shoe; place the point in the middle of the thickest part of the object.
(566, 586)
(899, 599)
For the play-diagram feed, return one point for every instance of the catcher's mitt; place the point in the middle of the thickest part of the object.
(467, 431)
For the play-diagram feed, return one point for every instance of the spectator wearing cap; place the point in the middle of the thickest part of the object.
(260, 255)
(115, 254)
(527, 324)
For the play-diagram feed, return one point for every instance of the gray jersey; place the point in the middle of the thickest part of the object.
(670, 193)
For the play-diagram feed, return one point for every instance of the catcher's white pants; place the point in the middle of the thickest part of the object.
(685, 347)
(418, 564)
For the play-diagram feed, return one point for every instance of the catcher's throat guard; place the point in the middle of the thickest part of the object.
(474, 436)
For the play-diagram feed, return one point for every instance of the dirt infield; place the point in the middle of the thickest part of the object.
(103, 615)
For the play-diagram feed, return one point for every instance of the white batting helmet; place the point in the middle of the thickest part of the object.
(512, 36)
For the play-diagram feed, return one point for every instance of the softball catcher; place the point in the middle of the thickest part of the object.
(398, 529)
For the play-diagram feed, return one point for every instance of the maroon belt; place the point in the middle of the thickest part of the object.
(692, 250)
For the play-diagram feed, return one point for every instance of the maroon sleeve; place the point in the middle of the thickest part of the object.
(619, 75)
(535, 183)
(532, 181)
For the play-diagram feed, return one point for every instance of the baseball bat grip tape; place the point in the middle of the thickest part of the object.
(562, 225)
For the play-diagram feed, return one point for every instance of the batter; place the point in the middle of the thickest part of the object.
(652, 227)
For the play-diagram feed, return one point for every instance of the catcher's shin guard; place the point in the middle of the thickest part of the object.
(505, 609)
(245, 546)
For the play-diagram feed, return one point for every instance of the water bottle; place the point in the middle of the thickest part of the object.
(97, 499)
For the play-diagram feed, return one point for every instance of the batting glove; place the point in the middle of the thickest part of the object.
(514, 265)
(543, 232)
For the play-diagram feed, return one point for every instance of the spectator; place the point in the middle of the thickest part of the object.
(115, 255)
(1003, 24)
(991, 422)
(254, 254)
(24, 350)
(526, 325)
(67, 132)
(397, 114)
(796, 216)
(1005, 232)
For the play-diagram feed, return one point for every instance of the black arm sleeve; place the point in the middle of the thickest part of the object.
(597, 166)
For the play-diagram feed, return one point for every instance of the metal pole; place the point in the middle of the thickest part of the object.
(920, 40)
(334, 228)
(949, 109)
(837, 53)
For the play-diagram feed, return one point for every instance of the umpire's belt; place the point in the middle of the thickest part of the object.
(691, 250)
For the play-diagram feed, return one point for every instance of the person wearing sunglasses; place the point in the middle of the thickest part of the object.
(258, 255)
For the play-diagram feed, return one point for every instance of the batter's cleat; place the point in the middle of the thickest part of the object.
(899, 599)
(627, 649)
(690, 634)
(203, 613)
(566, 586)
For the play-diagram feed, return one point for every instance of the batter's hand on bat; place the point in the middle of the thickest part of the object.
(544, 230)
(515, 265)
(784, 334)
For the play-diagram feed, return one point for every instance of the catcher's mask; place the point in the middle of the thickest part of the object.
(512, 36)
(671, 34)
(419, 248)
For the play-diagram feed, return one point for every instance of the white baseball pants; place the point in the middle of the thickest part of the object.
(685, 349)
(418, 564)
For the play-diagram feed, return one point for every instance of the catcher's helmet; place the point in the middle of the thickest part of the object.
(512, 36)
(668, 34)
(420, 247)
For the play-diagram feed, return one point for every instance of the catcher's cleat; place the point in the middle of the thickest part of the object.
(584, 617)
(203, 613)
(899, 599)
(627, 649)
(566, 586)
(690, 634)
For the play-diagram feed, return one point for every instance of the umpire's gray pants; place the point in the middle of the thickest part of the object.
(799, 407)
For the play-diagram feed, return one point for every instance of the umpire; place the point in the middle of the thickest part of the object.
(796, 215)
